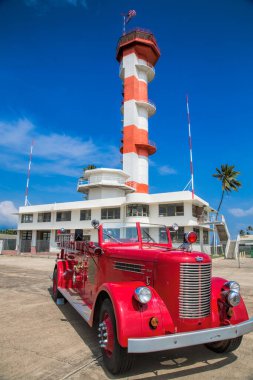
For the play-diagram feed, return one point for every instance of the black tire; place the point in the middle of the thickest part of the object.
(228, 345)
(115, 357)
(55, 292)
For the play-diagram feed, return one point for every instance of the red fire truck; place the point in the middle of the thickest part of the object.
(143, 295)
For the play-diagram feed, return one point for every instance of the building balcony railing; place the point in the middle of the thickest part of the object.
(147, 67)
(210, 218)
(147, 104)
(141, 65)
(137, 33)
(100, 179)
(150, 147)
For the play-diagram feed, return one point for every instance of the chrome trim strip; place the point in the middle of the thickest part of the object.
(76, 301)
(169, 342)
(129, 267)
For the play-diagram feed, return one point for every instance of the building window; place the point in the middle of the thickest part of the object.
(110, 213)
(172, 209)
(63, 216)
(85, 214)
(197, 232)
(26, 218)
(177, 236)
(58, 234)
(131, 234)
(44, 217)
(111, 234)
(199, 212)
(163, 238)
(26, 235)
(137, 210)
(43, 235)
(205, 237)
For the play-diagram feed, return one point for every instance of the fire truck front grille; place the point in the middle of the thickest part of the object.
(194, 290)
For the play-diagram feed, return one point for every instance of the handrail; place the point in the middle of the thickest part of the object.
(140, 62)
(137, 33)
(99, 179)
(152, 143)
(148, 101)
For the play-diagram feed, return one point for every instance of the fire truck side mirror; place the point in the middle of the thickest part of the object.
(175, 227)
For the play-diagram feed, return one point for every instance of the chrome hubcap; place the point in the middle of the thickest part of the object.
(102, 335)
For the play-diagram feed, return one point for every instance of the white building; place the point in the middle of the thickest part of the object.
(122, 195)
(110, 200)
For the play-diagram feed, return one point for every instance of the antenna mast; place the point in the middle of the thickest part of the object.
(190, 147)
(28, 175)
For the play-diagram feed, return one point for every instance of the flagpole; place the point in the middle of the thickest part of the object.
(124, 25)
(28, 174)
(190, 144)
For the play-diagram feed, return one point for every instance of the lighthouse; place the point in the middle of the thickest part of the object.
(137, 53)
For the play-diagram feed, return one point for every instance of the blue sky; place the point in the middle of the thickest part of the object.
(59, 85)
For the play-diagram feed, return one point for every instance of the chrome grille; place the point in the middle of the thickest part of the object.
(194, 290)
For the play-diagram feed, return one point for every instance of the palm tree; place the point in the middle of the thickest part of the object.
(241, 232)
(228, 177)
(89, 167)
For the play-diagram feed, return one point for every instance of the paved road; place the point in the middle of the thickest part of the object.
(40, 340)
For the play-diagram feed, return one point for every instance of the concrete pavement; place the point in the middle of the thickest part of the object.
(40, 340)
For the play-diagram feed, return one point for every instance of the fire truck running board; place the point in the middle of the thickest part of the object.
(76, 301)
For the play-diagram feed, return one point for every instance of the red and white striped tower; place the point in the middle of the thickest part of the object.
(137, 53)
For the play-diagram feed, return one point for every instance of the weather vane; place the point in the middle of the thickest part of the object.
(127, 17)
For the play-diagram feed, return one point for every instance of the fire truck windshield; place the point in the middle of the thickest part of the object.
(128, 233)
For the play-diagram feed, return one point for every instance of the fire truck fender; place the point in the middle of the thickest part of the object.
(61, 267)
(132, 318)
(239, 313)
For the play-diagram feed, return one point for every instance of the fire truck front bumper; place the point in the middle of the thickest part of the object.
(172, 341)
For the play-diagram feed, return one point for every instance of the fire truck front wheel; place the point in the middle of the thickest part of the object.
(116, 358)
(225, 345)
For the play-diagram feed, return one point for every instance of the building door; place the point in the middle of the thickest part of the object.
(25, 242)
(43, 241)
(78, 235)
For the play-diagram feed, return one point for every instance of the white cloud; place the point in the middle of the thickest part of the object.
(53, 153)
(7, 219)
(166, 170)
(239, 212)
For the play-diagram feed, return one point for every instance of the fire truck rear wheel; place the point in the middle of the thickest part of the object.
(225, 345)
(115, 357)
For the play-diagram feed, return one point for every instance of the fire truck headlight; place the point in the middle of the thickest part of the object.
(233, 285)
(142, 294)
(233, 298)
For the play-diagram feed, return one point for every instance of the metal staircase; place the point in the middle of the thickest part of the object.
(224, 235)
(220, 228)
(231, 252)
